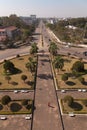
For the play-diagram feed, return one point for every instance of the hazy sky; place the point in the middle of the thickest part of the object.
(44, 8)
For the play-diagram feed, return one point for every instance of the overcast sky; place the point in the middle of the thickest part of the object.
(44, 8)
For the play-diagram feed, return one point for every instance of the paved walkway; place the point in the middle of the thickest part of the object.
(46, 114)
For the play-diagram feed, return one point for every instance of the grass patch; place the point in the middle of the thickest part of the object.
(16, 82)
(15, 107)
(77, 107)
(72, 83)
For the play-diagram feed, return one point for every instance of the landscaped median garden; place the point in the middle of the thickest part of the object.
(69, 72)
(70, 105)
(72, 74)
(18, 73)
(9, 106)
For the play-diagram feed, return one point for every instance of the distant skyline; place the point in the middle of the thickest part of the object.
(44, 8)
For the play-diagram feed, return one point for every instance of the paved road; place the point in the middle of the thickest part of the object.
(45, 117)
(4, 54)
(19, 95)
(46, 114)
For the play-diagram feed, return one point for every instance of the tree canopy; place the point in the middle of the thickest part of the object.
(58, 62)
(53, 48)
(78, 66)
(5, 100)
(8, 66)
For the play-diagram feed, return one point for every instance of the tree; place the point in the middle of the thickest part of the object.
(31, 65)
(78, 66)
(81, 79)
(8, 78)
(64, 77)
(58, 62)
(34, 49)
(24, 77)
(5, 100)
(53, 48)
(8, 66)
(69, 100)
(24, 102)
(27, 33)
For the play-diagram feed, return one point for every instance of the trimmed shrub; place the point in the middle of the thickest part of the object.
(78, 66)
(69, 100)
(64, 77)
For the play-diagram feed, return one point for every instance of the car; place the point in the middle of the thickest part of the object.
(63, 91)
(84, 90)
(15, 91)
(79, 90)
(28, 117)
(24, 91)
(67, 46)
(71, 114)
(3, 118)
(85, 53)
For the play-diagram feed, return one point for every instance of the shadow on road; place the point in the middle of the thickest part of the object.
(45, 76)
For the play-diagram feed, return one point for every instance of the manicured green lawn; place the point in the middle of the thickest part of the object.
(77, 107)
(16, 82)
(15, 107)
(72, 82)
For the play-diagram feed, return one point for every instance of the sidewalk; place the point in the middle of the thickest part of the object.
(46, 114)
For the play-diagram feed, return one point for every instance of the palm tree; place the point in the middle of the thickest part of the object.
(53, 48)
(31, 65)
(34, 49)
(58, 63)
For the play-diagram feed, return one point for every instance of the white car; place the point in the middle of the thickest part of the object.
(84, 90)
(63, 91)
(67, 46)
(71, 114)
(24, 91)
(79, 90)
(28, 117)
(15, 91)
(3, 118)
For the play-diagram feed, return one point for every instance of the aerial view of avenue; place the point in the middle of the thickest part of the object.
(43, 65)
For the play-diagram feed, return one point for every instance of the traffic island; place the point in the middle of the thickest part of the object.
(78, 106)
(17, 107)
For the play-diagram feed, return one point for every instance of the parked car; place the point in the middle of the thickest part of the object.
(84, 90)
(24, 91)
(71, 114)
(16, 91)
(28, 117)
(85, 53)
(79, 90)
(63, 91)
(3, 118)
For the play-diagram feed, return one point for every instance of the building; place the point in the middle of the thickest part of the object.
(11, 32)
(29, 20)
(33, 17)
